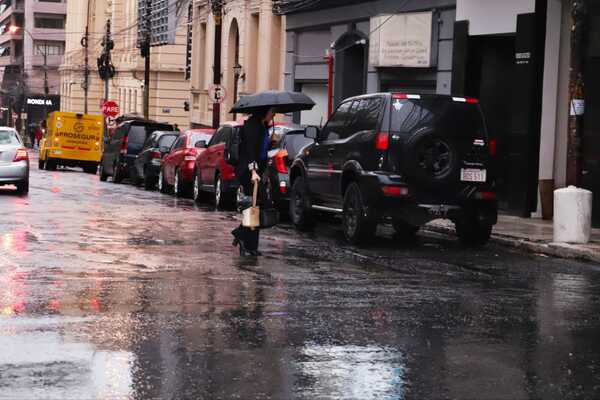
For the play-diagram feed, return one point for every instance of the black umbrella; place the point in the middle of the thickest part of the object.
(282, 102)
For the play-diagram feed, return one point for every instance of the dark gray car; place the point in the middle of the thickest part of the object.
(147, 164)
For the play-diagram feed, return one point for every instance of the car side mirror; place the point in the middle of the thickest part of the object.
(312, 132)
(201, 144)
(164, 149)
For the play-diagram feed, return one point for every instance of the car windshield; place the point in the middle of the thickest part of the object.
(456, 118)
(9, 137)
(167, 140)
(294, 141)
(196, 137)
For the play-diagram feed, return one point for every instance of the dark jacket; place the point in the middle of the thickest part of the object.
(252, 141)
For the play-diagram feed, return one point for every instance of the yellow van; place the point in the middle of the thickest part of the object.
(72, 140)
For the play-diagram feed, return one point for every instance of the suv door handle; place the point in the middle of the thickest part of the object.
(331, 151)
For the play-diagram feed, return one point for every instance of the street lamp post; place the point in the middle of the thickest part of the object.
(14, 29)
(237, 73)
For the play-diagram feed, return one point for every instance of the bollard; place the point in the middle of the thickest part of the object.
(572, 215)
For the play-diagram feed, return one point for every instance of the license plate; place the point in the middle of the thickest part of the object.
(473, 175)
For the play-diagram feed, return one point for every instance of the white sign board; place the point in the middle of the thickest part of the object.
(401, 40)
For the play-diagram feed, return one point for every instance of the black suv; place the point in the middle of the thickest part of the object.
(404, 159)
(123, 147)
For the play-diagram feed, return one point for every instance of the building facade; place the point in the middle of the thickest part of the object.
(378, 45)
(247, 36)
(169, 89)
(32, 46)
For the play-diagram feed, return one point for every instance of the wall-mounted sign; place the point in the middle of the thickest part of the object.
(216, 94)
(401, 40)
(39, 102)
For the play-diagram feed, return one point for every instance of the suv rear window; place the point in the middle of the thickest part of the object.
(137, 134)
(453, 117)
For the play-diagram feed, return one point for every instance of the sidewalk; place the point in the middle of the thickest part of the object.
(534, 235)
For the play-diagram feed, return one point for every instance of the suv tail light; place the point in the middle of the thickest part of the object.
(493, 146)
(382, 141)
(279, 161)
(124, 145)
(395, 191)
(156, 154)
(485, 196)
(21, 155)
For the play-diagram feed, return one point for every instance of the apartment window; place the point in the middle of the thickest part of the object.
(49, 48)
(49, 22)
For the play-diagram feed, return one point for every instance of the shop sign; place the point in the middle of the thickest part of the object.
(39, 102)
(402, 40)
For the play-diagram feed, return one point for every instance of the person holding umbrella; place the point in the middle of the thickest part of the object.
(254, 148)
(252, 163)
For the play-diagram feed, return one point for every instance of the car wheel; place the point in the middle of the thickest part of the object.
(471, 232)
(358, 225)
(197, 191)
(23, 187)
(149, 182)
(218, 192)
(405, 230)
(41, 164)
(117, 173)
(50, 165)
(163, 187)
(102, 173)
(300, 208)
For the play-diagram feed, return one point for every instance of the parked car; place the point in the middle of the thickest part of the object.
(212, 174)
(148, 162)
(281, 157)
(123, 146)
(407, 159)
(178, 166)
(14, 160)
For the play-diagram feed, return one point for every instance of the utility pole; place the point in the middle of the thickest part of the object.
(576, 91)
(85, 42)
(46, 88)
(217, 9)
(145, 47)
(106, 69)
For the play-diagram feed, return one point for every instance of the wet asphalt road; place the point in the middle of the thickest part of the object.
(111, 292)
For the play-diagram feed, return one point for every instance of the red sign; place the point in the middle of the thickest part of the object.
(110, 109)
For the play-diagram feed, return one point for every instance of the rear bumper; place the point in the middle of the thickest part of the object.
(14, 172)
(152, 171)
(418, 208)
(85, 156)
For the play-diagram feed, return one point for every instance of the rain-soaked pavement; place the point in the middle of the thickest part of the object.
(111, 292)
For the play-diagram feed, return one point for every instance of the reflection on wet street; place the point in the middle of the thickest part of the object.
(111, 292)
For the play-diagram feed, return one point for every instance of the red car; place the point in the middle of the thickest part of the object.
(177, 167)
(212, 174)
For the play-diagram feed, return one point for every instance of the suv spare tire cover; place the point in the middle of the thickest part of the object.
(431, 159)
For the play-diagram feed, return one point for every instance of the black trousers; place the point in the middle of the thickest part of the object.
(249, 237)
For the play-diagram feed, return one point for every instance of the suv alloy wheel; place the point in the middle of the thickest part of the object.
(177, 192)
(300, 210)
(358, 225)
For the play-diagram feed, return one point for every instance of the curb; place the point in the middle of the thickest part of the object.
(558, 250)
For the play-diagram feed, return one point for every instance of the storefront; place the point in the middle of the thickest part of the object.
(37, 107)
(499, 50)
(376, 46)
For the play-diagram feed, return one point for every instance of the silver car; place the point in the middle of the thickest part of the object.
(14, 160)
